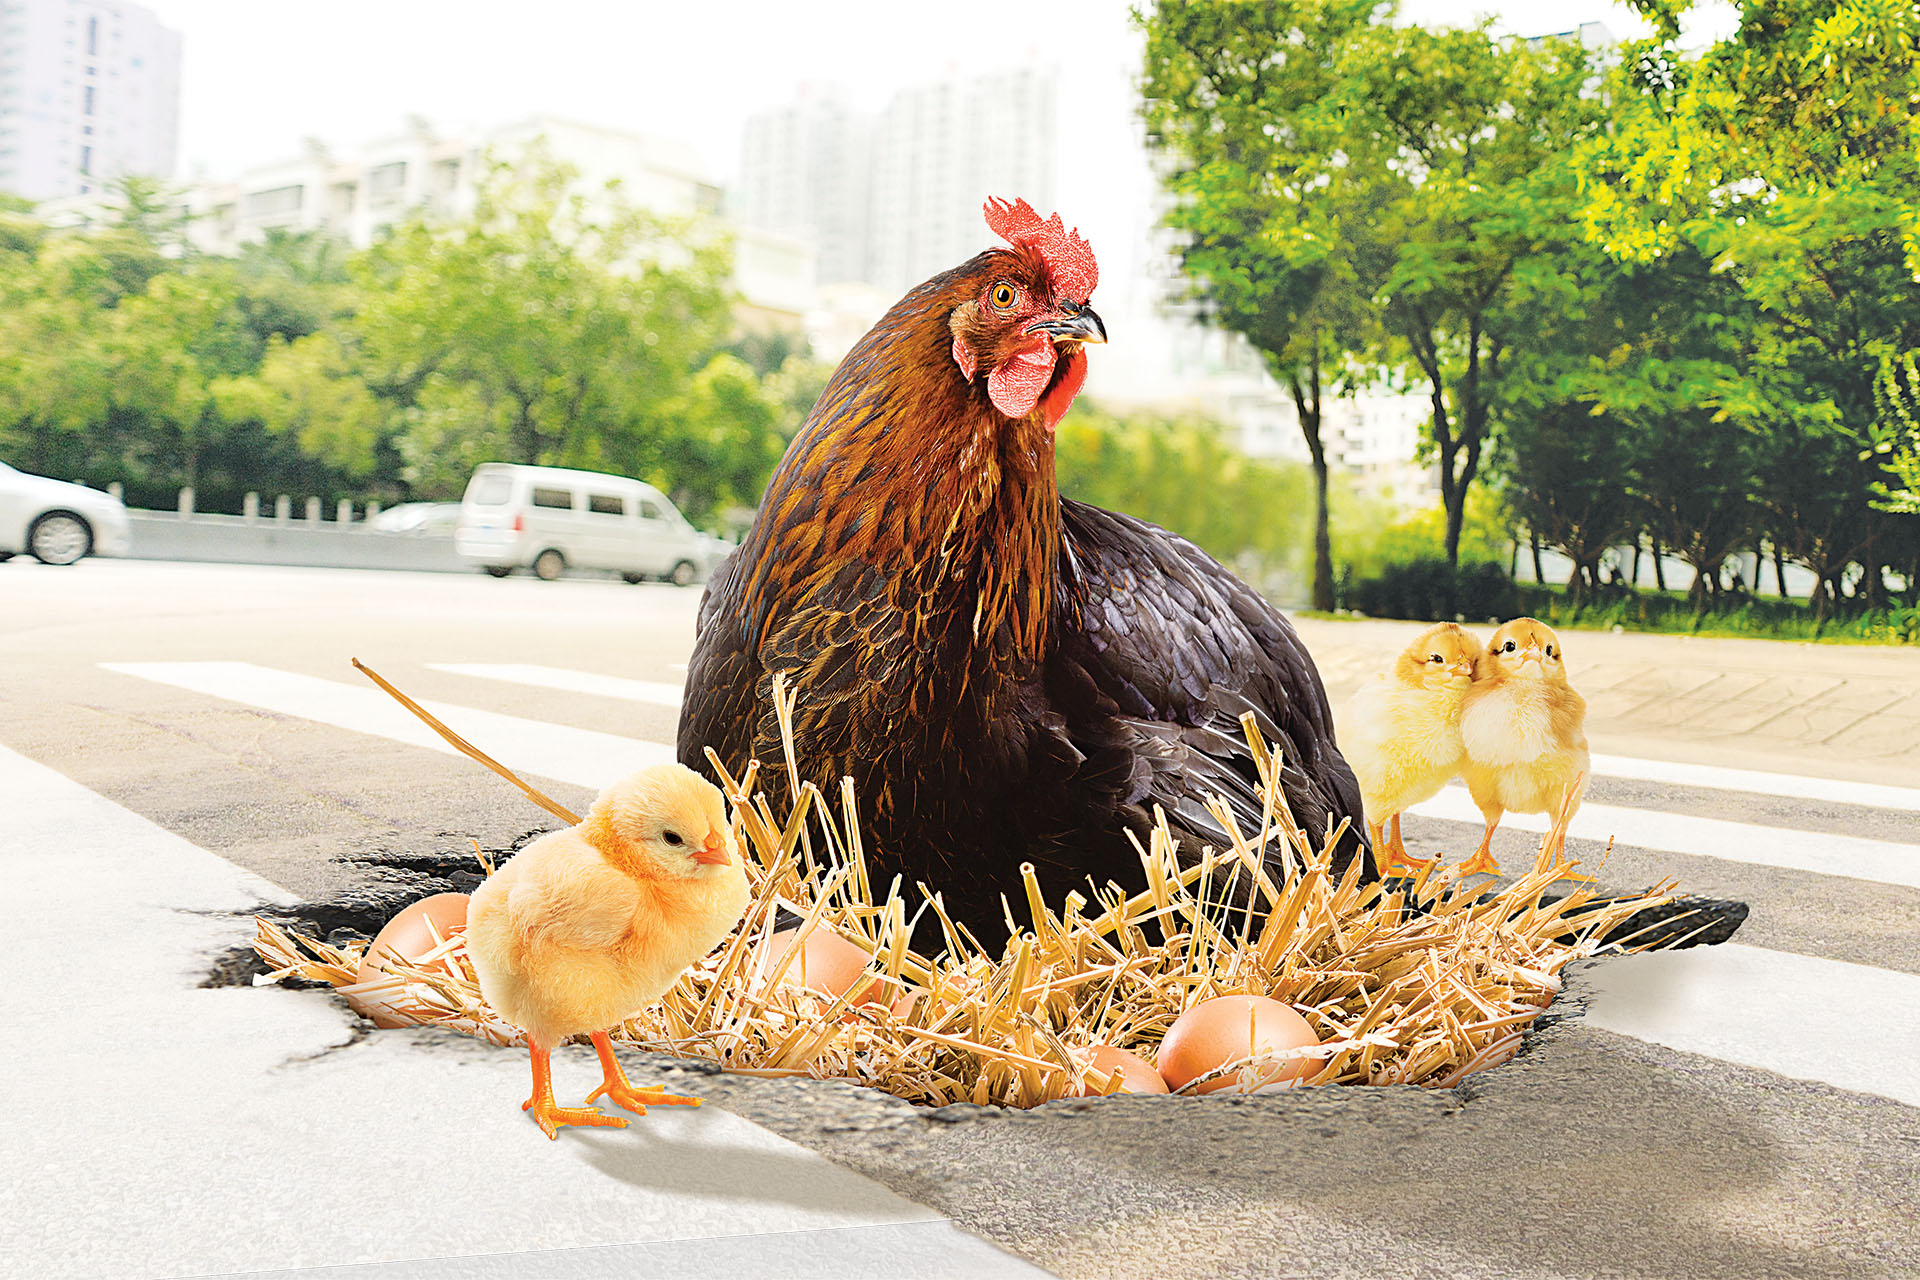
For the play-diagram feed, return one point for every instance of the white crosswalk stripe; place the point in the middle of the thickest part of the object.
(1738, 1003)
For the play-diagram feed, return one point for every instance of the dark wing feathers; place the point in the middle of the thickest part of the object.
(1180, 649)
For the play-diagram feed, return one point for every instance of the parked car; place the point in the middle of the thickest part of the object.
(56, 522)
(424, 519)
(552, 519)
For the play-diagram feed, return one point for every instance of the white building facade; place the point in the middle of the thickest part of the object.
(894, 198)
(89, 93)
(352, 195)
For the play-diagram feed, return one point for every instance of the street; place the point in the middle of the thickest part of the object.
(178, 742)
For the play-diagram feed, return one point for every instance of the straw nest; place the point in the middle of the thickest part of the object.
(1422, 992)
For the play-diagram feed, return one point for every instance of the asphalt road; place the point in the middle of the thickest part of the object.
(1745, 1111)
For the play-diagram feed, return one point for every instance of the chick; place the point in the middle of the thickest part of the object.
(1524, 731)
(1402, 735)
(587, 925)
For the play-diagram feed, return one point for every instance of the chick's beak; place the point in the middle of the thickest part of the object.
(1074, 322)
(714, 852)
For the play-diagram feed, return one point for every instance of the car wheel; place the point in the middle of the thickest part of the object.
(633, 578)
(548, 565)
(683, 574)
(59, 537)
(498, 570)
(5, 556)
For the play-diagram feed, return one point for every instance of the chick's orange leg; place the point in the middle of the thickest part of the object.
(1482, 860)
(1396, 861)
(620, 1090)
(551, 1117)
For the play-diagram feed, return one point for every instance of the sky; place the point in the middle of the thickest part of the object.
(259, 76)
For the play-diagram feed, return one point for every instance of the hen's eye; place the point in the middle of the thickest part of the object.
(672, 837)
(1003, 296)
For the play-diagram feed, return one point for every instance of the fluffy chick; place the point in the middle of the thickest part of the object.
(587, 925)
(1402, 734)
(1524, 729)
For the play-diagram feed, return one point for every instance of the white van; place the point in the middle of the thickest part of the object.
(553, 519)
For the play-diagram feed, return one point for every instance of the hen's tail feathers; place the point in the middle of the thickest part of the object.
(1682, 921)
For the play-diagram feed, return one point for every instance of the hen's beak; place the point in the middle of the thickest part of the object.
(714, 852)
(1073, 324)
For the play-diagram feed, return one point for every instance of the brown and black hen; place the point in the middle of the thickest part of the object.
(1007, 675)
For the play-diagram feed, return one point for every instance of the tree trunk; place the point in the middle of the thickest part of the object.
(1634, 581)
(1779, 571)
(1576, 587)
(1539, 574)
(1659, 567)
(1308, 407)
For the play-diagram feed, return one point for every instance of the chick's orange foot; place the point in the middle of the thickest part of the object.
(1481, 863)
(621, 1091)
(638, 1100)
(551, 1117)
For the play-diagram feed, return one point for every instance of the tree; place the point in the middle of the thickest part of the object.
(1420, 171)
(550, 327)
(1789, 156)
(1279, 272)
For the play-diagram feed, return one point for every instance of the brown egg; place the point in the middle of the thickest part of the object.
(407, 936)
(827, 964)
(1226, 1028)
(1136, 1073)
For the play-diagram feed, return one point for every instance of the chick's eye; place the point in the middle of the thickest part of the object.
(1549, 651)
(1508, 647)
(1004, 296)
(1434, 657)
(672, 837)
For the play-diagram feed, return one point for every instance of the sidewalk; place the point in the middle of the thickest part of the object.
(176, 1130)
(1841, 711)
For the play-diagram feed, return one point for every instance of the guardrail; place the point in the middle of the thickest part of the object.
(279, 539)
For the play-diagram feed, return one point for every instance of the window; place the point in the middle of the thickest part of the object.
(87, 100)
(606, 504)
(275, 202)
(86, 159)
(387, 183)
(491, 490)
(650, 510)
(559, 499)
(93, 36)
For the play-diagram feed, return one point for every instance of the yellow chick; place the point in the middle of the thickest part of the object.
(1524, 730)
(586, 926)
(1402, 735)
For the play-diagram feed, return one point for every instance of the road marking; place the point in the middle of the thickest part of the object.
(234, 1086)
(654, 691)
(1712, 777)
(1854, 857)
(1870, 794)
(1795, 1015)
(552, 751)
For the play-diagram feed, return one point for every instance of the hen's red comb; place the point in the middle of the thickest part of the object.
(1069, 259)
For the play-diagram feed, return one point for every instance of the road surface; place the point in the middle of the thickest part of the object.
(179, 742)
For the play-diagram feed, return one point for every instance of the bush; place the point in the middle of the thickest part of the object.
(1429, 590)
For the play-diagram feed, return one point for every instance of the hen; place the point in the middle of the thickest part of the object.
(1402, 732)
(1524, 730)
(1008, 676)
(588, 925)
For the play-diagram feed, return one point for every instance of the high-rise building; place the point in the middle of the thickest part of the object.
(803, 172)
(89, 92)
(892, 199)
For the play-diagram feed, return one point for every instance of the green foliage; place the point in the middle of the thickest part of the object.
(1431, 590)
(1896, 435)
(1672, 614)
(553, 325)
(1371, 195)
(1183, 475)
